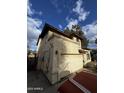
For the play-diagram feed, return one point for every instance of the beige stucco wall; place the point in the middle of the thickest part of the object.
(43, 46)
(43, 50)
(68, 59)
(62, 52)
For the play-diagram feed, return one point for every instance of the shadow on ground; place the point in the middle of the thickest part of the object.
(91, 66)
(38, 83)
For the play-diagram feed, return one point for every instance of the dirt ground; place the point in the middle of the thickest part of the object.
(38, 83)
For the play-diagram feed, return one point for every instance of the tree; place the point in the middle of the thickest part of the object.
(67, 31)
(78, 31)
(96, 41)
(84, 42)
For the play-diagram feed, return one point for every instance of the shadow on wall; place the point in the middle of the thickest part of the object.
(62, 64)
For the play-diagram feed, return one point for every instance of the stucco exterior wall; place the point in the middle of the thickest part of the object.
(68, 59)
(59, 56)
(45, 55)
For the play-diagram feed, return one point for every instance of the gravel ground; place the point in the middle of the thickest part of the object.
(37, 83)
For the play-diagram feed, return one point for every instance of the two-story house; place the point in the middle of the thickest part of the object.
(59, 54)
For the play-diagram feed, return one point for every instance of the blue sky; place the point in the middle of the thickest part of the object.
(61, 14)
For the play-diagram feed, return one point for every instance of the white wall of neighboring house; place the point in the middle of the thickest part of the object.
(87, 56)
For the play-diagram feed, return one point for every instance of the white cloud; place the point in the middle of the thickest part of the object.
(72, 22)
(33, 31)
(33, 27)
(40, 13)
(60, 26)
(31, 11)
(80, 11)
(55, 4)
(90, 32)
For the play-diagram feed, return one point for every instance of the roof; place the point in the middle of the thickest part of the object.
(47, 27)
(83, 82)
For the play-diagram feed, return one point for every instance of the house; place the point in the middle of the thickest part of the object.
(31, 60)
(59, 54)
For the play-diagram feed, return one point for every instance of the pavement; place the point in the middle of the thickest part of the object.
(38, 83)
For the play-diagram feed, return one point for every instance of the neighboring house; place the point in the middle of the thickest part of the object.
(31, 55)
(59, 54)
(86, 56)
(31, 60)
